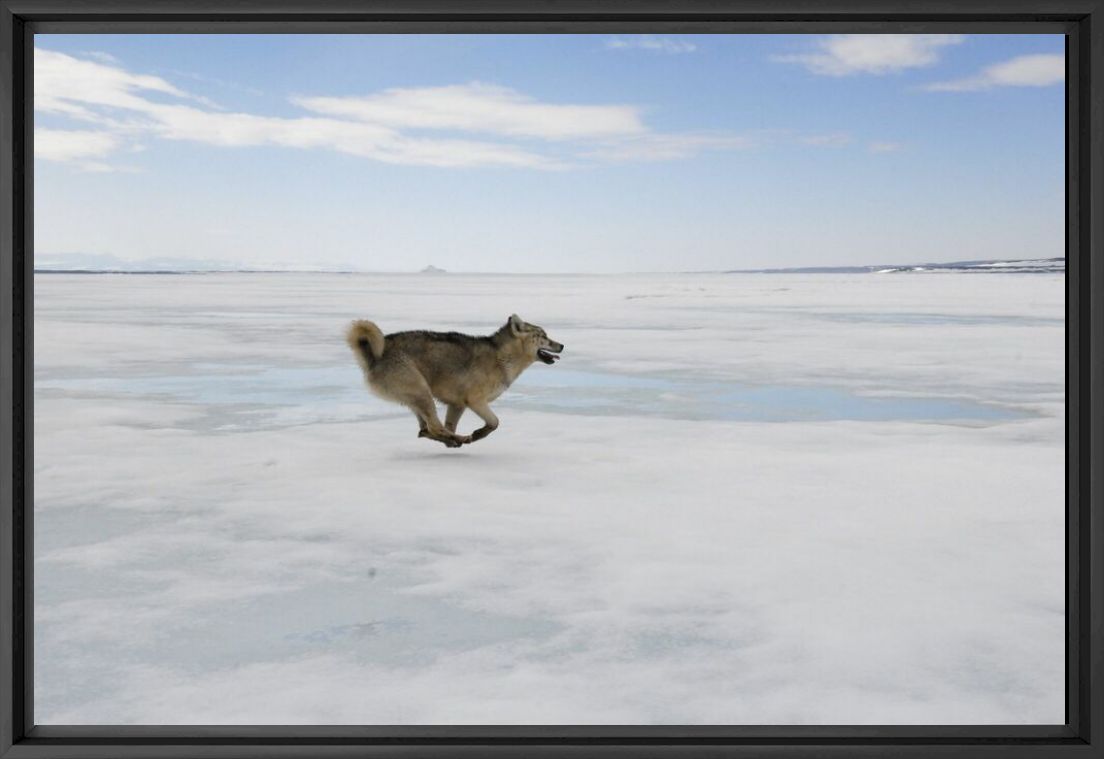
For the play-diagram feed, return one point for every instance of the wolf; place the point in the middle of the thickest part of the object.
(462, 371)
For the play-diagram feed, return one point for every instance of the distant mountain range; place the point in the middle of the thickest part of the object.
(93, 263)
(98, 263)
(1028, 266)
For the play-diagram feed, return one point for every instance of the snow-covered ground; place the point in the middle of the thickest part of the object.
(737, 499)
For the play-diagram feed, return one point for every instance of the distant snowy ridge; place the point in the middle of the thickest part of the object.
(98, 263)
(101, 263)
(1036, 265)
(1032, 265)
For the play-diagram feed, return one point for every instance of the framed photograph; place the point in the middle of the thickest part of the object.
(551, 379)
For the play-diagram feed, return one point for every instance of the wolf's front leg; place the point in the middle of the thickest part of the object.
(452, 416)
(490, 421)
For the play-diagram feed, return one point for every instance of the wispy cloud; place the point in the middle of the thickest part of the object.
(480, 107)
(669, 147)
(82, 147)
(465, 125)
(73, 144)
(124, 103)
(848, 54)
(883, 147)
(832, 140)
(85, 89)
(1023, 71)
(223, 83)
(100, 55)
(650, 42)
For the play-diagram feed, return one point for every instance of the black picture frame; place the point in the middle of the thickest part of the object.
(1082, 21)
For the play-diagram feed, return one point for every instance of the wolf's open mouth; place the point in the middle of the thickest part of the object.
(546, 356)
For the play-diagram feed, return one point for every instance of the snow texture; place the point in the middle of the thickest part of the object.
(738, 499)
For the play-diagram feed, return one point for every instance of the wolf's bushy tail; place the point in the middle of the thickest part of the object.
(366, 340)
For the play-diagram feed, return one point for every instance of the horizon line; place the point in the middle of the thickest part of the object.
(435, 271)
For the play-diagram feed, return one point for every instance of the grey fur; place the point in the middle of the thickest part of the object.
(462, 371)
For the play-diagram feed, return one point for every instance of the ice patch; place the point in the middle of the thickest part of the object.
(335, 393)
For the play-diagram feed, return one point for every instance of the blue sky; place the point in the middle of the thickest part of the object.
(548, 153)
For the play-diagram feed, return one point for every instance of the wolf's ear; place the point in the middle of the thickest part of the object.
(515, 323)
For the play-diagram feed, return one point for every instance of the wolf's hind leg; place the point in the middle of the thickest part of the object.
(404, 384)
(426, 411)
(452, 417)
(490, 421)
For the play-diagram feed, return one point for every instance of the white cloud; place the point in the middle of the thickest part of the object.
(669, 147)
(84, 148)
(81, 88)
(120, 102)
(479, 107)
(72, 144)
(216, 81)
(846, 54)
(883, 147)
(650, 42)
(390, 126)
(833, 140)
(177, 122)
(1022, 71)
(101, 56)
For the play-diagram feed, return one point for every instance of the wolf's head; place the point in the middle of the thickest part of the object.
(535, 341)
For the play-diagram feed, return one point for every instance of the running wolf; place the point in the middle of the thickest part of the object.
(461, 371)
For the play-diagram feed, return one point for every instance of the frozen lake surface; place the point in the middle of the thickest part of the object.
(737, 499)
(327, 391)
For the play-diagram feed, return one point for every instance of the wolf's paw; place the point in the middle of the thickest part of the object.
(451, 443)
(423, 433)
(464, 439)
